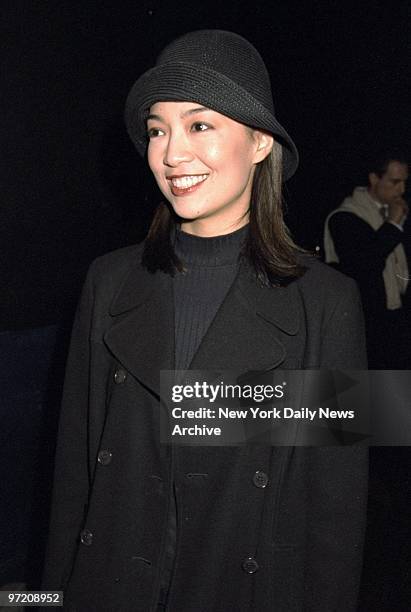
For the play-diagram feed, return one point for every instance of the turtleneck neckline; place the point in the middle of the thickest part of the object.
(212, 251)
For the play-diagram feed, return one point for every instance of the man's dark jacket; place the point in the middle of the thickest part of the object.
(362, 253)
(303, 532)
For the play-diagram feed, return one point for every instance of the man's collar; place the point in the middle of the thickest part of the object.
(382, 208)
(378, 204)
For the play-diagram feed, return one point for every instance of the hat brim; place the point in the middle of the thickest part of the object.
(182, 81)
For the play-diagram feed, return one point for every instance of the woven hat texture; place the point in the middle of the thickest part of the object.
(218, 69)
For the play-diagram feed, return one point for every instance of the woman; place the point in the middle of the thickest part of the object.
(138, 525)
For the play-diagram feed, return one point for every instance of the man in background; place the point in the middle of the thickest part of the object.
(364, 239)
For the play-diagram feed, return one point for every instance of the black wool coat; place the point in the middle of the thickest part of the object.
(294, 545)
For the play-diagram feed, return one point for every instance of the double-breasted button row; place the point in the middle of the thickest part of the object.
(104, 456)
(250, 565)
(120, 376)
(86, 537)
(260, 479)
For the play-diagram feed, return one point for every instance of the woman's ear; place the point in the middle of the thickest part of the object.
(265, 142)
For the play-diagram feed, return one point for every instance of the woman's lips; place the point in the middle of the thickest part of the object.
(181, 185)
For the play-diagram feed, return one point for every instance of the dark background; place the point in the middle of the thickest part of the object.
(73, 187)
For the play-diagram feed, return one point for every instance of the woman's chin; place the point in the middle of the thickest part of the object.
(188, 213)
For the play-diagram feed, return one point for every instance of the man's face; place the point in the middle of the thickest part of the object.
(391, 185)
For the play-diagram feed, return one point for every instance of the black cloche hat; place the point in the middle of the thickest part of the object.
(218, 69)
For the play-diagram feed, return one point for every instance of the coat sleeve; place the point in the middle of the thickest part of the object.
(338, 476)
(343, 337)
(71, 477)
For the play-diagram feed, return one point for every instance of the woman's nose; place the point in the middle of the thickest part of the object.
(178, 150)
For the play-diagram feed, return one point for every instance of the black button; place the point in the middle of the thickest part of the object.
(260, 479)
(86, 537)
(250, 565)
(120, 376)
(104, 457)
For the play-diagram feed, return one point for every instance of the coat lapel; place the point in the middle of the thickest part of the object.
(251, 326)
(142, 336)
(248, 333)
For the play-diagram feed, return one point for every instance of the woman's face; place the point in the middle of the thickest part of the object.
(204, 165)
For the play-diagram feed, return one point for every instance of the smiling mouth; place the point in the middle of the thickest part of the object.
(187, 182)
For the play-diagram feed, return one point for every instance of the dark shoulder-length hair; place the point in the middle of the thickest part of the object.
(269, 247)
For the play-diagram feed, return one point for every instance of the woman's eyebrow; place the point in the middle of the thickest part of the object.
(190, 111)
(156, 117)
(193, 111)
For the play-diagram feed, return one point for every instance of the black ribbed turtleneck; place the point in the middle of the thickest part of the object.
(211, 265)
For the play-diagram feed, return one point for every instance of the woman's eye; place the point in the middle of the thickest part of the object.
(200, 127)
(153, 132)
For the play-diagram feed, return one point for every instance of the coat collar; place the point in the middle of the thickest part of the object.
(141, 337)
(248, 333)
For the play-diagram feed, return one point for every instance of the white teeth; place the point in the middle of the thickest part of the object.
(185, 182)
